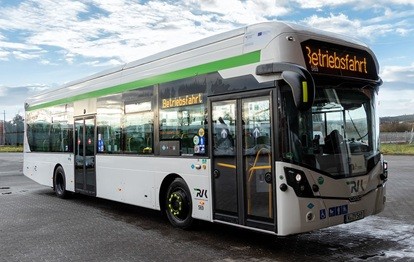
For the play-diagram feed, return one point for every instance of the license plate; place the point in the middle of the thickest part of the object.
(351, 217)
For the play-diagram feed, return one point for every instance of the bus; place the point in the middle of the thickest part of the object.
(271, 127)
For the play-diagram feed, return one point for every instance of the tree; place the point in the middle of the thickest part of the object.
(14, 131)
(17, 119)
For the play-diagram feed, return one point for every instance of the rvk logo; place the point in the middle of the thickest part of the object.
(356, 186)
(201, 193)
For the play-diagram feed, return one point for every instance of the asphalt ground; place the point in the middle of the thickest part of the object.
(35, 225)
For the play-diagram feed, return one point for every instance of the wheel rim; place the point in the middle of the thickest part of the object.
(178, 204)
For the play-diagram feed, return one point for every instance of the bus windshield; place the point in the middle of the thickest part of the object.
(338, 135)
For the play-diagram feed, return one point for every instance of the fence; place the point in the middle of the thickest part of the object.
(11, 134)
(397, 137)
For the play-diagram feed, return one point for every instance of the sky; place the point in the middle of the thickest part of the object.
(47, 43)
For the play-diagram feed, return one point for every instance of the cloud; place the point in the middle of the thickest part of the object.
(116, 32)
(396, 95)
(386, 18)
(242, 12)
(4, 55)
(402, 2)
(335, 23)
(12, 98)
(24, 56)
(12, 95)
(403, 74)
(20, 51)
(395, 100)
(126, 30)
(110, 63)
(316, 4)
(367, 30)
(357, 4)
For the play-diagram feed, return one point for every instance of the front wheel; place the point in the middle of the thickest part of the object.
(59, 183)
(178, 204)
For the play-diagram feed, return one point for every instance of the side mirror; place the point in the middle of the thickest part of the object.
(298, 78)
(302, 90)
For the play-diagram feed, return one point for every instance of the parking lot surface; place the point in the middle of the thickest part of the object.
(35, 225)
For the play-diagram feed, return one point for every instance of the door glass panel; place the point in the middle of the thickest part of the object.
(85, 178)
(257, 157)
(89, 155)
(225, 157)
(79, 158)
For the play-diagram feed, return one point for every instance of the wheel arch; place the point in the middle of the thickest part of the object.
(166, 182)
(54, 173)
(59, 181)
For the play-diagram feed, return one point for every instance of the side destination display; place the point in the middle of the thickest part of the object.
(331, 59)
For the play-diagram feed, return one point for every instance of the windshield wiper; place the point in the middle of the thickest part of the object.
(356, 129)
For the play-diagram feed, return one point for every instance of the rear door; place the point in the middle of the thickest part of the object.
(85, 151)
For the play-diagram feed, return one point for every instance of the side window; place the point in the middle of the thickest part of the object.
(109, 120)
(61, 135)
(38, 135)
(138, 126)
(125, 122)
(50, 130)
(38, 130)
(61, 128)
(183, 116)
(138, 133)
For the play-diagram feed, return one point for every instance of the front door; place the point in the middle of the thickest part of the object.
(85, 150)
(243, 161)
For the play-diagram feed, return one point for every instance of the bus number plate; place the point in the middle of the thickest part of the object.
(354, 216)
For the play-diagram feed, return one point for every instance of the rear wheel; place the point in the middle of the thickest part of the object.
(59, 183)
(179, 205)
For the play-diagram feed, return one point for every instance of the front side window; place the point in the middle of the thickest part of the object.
(336, 136)
(183, 115)
(187, 125)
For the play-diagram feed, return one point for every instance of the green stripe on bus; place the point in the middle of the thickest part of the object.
(240, 60)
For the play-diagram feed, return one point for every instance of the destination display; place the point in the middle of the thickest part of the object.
(327, 58)
(187, 100)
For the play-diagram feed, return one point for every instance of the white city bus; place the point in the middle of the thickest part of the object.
(271, 127)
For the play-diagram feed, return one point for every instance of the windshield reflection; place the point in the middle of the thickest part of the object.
(338, 135)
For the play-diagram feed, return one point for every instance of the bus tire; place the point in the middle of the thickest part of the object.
(178, 204)
(59, 183)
